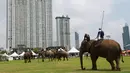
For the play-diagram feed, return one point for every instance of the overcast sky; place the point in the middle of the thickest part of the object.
(85, 17)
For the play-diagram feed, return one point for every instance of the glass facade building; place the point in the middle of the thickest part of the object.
(126, 37)
(77, 40)
(29, 23)
(63, 31)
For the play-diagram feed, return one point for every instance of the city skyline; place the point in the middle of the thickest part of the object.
(85, 17)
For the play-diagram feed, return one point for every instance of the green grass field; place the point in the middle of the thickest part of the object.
(71, 66)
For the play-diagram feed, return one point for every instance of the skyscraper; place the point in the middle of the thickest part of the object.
(29, 23)
(63, 31)
(76, 40)
(125, 35)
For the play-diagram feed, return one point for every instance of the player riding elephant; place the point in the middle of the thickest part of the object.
(108, 49)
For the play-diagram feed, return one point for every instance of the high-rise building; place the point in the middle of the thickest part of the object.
(125, 35)
(63, 31)
(76, 40)
(29, 23)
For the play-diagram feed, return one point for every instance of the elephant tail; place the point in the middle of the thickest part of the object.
(122, 58)
(121, 54)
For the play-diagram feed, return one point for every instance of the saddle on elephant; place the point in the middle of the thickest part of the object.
(98, 42)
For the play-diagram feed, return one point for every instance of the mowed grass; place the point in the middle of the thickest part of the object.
(71, 66)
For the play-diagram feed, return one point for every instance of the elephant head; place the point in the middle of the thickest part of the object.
(85, 45)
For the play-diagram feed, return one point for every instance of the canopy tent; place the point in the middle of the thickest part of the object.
(22, 54)
(33, 53)
(73, 50)
(14, 54)
(5, 55)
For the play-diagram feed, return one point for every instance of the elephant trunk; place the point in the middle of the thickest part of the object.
(81, 60)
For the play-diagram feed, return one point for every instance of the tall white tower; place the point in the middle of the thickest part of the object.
(29, 23)
(63, 31)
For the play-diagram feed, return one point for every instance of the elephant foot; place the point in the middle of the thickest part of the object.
(118, 69)
(25, 61)
(113, 68)
(42, 60)
(83, 68)
(94, 68)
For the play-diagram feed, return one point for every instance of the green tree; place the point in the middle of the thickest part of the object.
(3, 51)
(35, 50)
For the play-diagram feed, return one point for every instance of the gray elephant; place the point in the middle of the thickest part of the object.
(50, 55)
(62, 54)
(27, 57)
(41, 54)
(107, 48)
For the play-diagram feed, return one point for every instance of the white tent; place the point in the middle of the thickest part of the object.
(22, 53)
(14, 54)
(33, 53)
(73, 50)
(5, 55)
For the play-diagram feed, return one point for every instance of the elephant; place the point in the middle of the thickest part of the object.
(27, 57)
(107, 48)
(42, 54)
(62, 54)
(50, 54)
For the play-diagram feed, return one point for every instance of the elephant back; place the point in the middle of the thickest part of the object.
(62, 52)
(107, 47)
(110, 43)
(49, 53)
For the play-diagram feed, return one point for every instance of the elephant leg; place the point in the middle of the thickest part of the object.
(51, 58)
(117, 64)
(63, 58)
(94, 59)
(38, 58)
(67, 58)
(29, 59)
(42, 59)
(25, 60)
(112, 64)
(59, 58)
